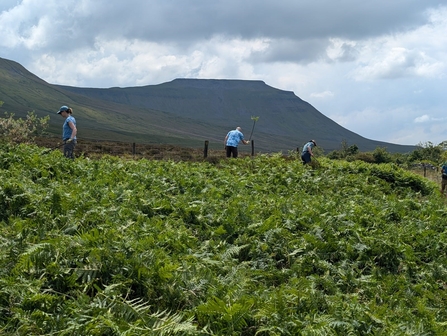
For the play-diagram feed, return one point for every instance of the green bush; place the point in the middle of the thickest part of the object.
(365, 157)
(22, 130)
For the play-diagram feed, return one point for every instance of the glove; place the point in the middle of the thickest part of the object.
(248, 141)
(68, 140)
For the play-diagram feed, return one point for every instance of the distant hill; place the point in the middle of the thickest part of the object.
(181, 112)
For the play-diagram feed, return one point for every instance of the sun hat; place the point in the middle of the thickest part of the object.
(314, 142)
(62, 109)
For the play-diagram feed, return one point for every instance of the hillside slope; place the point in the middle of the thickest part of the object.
(21, 91)
(183, 111)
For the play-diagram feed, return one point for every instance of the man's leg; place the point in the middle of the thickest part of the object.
(305, 157)
(235, 152)
(228, 149)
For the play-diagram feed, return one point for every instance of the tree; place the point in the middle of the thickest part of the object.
(443, 145)
(381, 155)
(427, 152)
(353, 150)
(345, 151)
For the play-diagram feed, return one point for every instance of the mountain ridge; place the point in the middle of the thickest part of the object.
(183, 111)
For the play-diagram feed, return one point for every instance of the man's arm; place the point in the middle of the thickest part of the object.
(309, 149)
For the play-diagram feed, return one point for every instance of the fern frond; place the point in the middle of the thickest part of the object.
(34, 258)
(233, 251)
(87, 275)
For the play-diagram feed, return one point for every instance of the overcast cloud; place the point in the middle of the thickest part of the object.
(378, 68)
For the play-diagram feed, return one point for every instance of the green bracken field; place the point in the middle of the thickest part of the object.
(252, 246)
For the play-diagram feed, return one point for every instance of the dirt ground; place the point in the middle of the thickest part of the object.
(92, 148)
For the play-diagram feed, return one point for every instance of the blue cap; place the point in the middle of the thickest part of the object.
(62, 109)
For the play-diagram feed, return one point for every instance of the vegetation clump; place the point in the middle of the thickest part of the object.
(20, 130)
(254, 246)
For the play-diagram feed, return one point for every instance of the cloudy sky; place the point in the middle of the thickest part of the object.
(378, 68)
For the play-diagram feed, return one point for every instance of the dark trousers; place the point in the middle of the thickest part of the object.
(69, 149)
(231, 151)
(305, 157)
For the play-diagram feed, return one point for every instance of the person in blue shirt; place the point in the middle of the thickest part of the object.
(232, 140)
(307, 151)
(444, 177)
(69, 131)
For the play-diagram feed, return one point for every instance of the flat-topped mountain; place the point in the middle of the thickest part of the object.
(181, 112)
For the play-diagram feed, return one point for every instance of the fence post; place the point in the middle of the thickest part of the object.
(252, 148)
(133, 149)
(205, 150)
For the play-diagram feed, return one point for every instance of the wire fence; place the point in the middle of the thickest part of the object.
(96, 148)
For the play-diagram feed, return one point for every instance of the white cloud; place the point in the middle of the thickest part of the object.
(323, 95)
(400, 125)
(422, 119)
(414, 53)
(398, 62)
(386, 61)
(135, 62)
(426, 118)
(342, 50)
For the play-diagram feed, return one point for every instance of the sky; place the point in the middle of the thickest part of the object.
(377, 68)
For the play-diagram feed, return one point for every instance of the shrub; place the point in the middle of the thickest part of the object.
(381, 155)
(365, 157)
(22, 130)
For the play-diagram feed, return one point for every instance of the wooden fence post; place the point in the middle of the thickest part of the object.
(205, 150)
(252, 148)
(133, 149)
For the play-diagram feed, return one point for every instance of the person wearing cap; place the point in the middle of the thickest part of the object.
(444, 177)
(232, 140)
(69, 131)
(307, 151)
